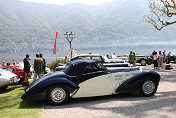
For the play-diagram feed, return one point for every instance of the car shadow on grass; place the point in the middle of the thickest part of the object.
(31, 104)
(9, 89)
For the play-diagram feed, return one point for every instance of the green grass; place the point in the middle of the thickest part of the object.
(12, 106)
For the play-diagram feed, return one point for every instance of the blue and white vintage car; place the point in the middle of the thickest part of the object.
(87, 78)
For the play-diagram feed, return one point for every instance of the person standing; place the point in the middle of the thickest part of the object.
(160, 59)
(164, 56)
(38, 67)
(8, 63)
(13, 62)
(155, 58)
(44, 65)
(131, 57)
(3, 64)
(134, 63)
(114, 56)
(26, 70)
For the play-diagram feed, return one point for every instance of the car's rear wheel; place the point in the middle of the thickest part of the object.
(148, 87)
(143, 63)
(58, 95)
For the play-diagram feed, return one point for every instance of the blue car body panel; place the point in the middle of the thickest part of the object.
(39, 88)
(133, 83)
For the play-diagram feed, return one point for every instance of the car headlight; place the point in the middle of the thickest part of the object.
(14, 79)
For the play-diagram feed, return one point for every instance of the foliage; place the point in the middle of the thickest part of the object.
(12, 106)
(162, 13)
(54, 64)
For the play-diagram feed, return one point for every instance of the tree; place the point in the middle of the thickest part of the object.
(162, 13)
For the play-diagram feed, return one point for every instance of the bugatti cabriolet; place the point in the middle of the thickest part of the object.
(88, 78)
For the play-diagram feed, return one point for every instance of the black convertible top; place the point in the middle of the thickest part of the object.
(77, 67)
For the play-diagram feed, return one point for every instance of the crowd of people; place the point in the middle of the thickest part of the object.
(159, 58)
(8, 63)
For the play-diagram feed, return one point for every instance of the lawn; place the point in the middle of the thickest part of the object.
(12, 106)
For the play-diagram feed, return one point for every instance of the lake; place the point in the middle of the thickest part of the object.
(119, 50)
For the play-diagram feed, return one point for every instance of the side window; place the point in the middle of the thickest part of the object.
(90, 68)
(94, 67)
(100, 67)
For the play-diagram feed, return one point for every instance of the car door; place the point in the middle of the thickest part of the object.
(95, 83)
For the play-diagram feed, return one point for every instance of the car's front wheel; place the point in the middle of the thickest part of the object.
(148, 87)
(58, 95)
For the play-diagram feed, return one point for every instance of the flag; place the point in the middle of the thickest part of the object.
(54, 49)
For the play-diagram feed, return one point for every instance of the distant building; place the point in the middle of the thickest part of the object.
(68, 55)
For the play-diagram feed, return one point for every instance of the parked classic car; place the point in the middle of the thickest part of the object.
(87, 78)
(17, 70)
(143, 60)
(7, 78)
(170, 58)
(106, 62)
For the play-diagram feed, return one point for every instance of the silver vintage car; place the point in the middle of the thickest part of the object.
(7, 78)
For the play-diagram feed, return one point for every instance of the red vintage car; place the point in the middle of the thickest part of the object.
(18, 71)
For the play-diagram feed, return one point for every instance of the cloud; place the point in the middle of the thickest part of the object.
(62, 2)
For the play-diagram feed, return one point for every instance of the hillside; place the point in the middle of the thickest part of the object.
(32, 26)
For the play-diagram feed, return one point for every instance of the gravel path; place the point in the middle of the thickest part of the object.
(162, 105)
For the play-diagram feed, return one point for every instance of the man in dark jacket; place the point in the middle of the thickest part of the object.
(26, 67)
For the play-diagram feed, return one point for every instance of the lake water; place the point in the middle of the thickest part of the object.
(119, 50)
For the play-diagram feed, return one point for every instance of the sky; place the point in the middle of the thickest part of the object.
(63, 2)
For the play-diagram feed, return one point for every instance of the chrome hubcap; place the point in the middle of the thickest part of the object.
(143, 62)
(58, 95)
(148, 87)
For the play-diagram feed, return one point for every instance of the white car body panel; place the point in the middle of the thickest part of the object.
(107, 84)
(5, 77)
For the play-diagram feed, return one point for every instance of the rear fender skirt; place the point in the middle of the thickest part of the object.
(132, 84)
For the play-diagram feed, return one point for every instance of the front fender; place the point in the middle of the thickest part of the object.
(71, 87)
(133, 83)
(39, 90)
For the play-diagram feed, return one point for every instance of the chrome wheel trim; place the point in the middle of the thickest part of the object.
(58, 95)
(148, 87)
(143, 62)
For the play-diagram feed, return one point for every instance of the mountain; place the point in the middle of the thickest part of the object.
(28, 26)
